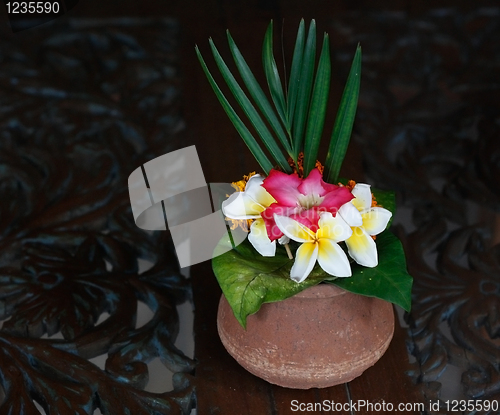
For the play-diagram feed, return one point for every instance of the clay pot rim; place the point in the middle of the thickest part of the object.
(321, 290)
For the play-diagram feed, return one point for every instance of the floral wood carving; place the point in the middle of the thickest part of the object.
(83, 103)
(428, 124)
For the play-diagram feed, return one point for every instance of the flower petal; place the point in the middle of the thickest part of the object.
(362, 248)
(351, 214)
(283, 187)
(305, 259)
(259, 239)
(376, 220)
(309, 218)
(241, 206)
(268, 215)
(363, 196)
(314, 184)
(255, 190)
(294, 230)
(333, 228)
(335, 199)
(332, 259)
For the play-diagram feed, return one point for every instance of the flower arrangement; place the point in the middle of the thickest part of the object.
(305, 224)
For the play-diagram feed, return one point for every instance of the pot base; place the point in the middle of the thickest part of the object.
(318, 338)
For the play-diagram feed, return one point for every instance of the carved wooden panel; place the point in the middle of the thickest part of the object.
(82, 104)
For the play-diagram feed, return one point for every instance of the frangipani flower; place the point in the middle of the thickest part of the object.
(321, 245)
(365, 221)
(249, 204)
(296, 196)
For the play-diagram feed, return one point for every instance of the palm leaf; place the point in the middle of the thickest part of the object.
(245, 134)
(293, 86)
(273, 76)
(317, 112)
(250, 111)
(304, 92)
(258, 94)
(344, 121)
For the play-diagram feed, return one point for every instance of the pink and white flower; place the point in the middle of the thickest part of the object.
(301, 199)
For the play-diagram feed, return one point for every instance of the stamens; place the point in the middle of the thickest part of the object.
(299, 167)
(240, 185)
(242, 223)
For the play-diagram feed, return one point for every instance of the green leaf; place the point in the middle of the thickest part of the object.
(273, 76)
(293, 85)
(258, 94)
(247, 137)
(304, 93)
(389, 280)
(317, 112)
(250, 111)
(344, 121)
(248, 279)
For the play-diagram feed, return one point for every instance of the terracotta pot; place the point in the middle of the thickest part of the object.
(321, 337)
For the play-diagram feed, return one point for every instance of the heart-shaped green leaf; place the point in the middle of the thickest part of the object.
(389, 280)
(248, 279)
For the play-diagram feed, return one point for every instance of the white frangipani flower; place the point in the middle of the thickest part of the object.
(321, 245)
(249, 204)
(365, 221)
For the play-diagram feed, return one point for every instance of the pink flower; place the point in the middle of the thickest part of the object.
(301, 199)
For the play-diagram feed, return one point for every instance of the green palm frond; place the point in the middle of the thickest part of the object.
(344, 121)
(273, 76)
(292, 122)
(258, 95)
(304, 92)
(245, 134)
(317, 110)
(294, 81)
